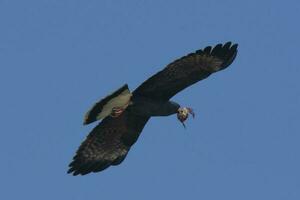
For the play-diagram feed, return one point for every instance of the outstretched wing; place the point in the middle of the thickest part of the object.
(108, 143)
(187, 71)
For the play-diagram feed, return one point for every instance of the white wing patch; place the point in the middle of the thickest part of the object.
(122, 100)
(119, 101)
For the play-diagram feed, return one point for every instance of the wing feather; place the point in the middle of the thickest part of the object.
(107, 144)
(187, 71)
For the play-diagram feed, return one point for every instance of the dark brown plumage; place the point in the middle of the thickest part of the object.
(187, 71)
(109, 142)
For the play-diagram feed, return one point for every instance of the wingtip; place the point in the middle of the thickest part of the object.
(235, 46)
(74, 172)
(207, 49)
(71, 171)
(229, 44)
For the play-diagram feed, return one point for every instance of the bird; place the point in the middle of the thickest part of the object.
(124, 114)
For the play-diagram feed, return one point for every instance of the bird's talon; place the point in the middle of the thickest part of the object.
(116, 112)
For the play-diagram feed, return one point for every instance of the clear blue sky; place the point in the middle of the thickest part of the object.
(58, 57)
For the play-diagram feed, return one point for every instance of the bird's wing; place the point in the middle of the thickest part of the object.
(108, 143)
(187, 71)
(103, 108)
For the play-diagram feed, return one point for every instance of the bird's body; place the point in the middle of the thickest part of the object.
(124, 114)
(152, 108)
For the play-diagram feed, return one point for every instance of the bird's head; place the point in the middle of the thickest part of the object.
(183, 114)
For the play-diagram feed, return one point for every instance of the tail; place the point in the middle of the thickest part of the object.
(104, 107)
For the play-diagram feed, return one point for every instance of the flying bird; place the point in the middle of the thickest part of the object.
(124, 113)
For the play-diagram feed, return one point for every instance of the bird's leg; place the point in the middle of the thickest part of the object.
(117, 111)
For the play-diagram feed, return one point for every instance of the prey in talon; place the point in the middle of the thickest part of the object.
(183, 114)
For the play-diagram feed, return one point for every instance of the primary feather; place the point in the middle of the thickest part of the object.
(187, 70)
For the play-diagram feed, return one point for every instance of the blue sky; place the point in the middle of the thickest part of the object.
(58, 57)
